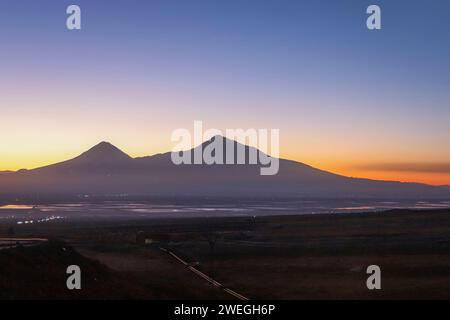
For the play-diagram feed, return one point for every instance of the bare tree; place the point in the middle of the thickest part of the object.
(212, 239)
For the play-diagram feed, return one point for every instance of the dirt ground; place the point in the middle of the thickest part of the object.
(278, 257)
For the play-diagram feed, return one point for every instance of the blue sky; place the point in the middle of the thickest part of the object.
(340, 94)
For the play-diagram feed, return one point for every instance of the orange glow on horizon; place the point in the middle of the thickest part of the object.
(17, 161)
(436, 179)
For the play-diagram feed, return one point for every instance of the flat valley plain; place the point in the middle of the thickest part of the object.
(322, 256)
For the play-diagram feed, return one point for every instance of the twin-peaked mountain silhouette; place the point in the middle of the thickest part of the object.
(106, 170)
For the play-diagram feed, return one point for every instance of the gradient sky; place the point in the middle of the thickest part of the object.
(357, 102)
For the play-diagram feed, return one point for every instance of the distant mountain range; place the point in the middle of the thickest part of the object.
(106, 170)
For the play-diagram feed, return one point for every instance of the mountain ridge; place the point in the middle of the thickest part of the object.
(105, 169)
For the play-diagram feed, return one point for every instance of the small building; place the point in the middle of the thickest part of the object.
(149, 238)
